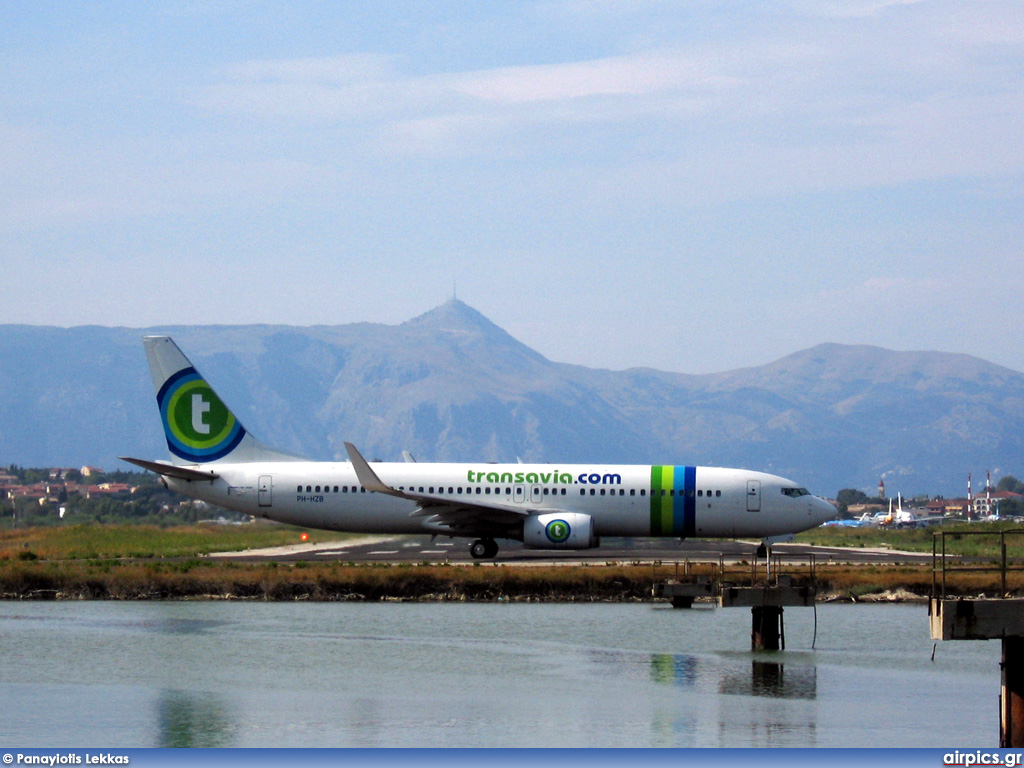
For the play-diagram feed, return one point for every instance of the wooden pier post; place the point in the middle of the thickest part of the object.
(766, 628)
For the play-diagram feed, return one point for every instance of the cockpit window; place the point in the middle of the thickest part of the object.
(795, 492)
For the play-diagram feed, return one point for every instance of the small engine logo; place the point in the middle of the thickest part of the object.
(557, 531)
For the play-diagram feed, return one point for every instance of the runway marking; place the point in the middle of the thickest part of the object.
(384, 552)
(431, 551)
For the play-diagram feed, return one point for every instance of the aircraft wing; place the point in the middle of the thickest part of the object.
(439, 511)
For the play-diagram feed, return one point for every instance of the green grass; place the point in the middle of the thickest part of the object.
(962, 539)
(91, 542)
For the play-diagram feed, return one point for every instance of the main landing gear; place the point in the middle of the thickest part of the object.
(482, 548)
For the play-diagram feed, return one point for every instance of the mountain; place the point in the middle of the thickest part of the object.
(452, 386)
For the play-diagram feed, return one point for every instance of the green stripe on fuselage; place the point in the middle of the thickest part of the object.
(662, 500)
(673, 511)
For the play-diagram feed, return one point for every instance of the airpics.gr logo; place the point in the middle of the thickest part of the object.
(557, 531)
(199, 427)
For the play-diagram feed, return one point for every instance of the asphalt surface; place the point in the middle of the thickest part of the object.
(420, 549)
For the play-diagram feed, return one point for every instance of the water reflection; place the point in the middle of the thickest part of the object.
(361, 675)
(675, 669)
(771, 679)
(191, 719)
(762, 678)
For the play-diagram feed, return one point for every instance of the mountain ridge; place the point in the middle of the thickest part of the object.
(450, 385)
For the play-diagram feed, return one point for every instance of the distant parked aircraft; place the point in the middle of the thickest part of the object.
(545, 506)
(903, 518)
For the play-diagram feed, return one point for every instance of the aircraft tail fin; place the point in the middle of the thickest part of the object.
(199, 427)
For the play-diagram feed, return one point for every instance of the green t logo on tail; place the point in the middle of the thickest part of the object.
(197, 424)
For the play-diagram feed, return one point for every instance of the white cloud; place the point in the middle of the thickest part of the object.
(635, 75)
(811, 104)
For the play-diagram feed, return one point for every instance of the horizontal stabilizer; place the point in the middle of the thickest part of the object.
(182, 473)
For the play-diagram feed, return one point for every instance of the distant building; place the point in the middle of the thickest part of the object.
(90, 471)
(944, 507)
(856, 510)
(108, 489)
(985, 504)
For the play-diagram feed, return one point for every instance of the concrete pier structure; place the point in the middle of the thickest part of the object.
(766, 588)
(993, 618)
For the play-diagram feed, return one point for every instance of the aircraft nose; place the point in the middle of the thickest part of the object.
(823, 510)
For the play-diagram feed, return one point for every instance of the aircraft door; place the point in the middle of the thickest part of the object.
(264, 490)
(535, 494)
(519, 494)
(753, 495)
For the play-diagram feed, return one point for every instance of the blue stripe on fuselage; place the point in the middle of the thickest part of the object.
(684, 507)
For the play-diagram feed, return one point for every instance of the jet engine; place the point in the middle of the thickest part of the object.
(559, 530)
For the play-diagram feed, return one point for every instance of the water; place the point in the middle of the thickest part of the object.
(141, 674)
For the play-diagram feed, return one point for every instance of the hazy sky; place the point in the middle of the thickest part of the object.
(694, 186)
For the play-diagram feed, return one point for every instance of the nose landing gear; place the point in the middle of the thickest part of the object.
(483, 548)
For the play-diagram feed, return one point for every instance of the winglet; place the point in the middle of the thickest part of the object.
(367, 476)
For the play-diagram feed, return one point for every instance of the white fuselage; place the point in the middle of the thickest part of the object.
(622, 500)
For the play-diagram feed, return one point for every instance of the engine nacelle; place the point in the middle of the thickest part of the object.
(559, 530)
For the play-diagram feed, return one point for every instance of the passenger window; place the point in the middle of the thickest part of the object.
(632, 491)
(299, 489)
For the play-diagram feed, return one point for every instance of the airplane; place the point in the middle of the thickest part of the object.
(544, 506)
(900, 518)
